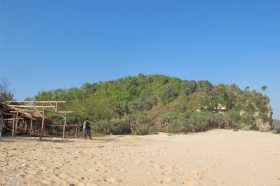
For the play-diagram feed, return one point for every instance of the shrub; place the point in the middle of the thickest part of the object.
(167, 94)
(142, 129)
(174, 127)
(139, 124)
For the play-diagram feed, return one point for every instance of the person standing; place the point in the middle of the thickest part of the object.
(88, 128)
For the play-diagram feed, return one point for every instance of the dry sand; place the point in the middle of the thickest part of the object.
(217, 157)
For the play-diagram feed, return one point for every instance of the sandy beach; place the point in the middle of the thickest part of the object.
(217, 157)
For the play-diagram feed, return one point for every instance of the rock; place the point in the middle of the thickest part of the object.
(264, 127)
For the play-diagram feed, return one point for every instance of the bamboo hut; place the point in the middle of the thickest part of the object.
(21, 117)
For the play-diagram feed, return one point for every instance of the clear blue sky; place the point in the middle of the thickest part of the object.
(50, 44)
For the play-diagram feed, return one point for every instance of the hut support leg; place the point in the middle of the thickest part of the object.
(43, 121)
(42, 128)
(31, 127)
(64, 128)
(13, 128)
(16, 127)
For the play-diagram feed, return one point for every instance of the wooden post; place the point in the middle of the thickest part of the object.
(42, 128)
(31, 126)
(64, 127)
(13, 128)
(16, 124)
(43, 121)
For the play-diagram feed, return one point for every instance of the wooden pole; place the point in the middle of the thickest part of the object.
(43, 121)
(31, 126)
(64, 127)
(64, 117)
(13, 128)
(16, 124)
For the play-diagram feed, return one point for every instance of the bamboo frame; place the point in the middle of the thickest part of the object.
(41, 113)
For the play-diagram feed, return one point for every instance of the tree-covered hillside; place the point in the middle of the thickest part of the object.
(148, 103)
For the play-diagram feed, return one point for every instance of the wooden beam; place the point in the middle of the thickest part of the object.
(8, 102)
(26, 106)
(64, 112)
(22, 110)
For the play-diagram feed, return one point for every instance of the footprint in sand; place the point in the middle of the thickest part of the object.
(29, 176)
(206, 168)
(167, 180)
(90, 170)
(111, 180)
(45, 182)
(167, 167)
(63, 176)
(42, 168)
(194, 173)
(122, 170)
(72, 181)
(152, 164)
(138, 162)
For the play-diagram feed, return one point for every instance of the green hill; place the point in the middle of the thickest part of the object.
(149, 103)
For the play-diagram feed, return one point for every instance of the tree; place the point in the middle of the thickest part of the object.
(167, 94)
(264, 88)
(45, 96)
(119, 107)
(188, 87)
(5, 93)
(135, 106)
(247, 89)
(204, 86)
